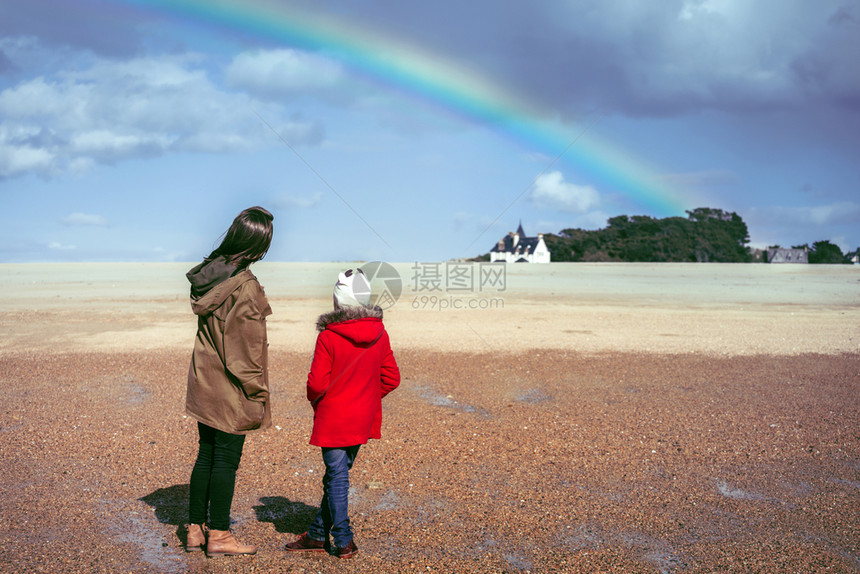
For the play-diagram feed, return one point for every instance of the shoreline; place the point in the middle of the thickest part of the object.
(720, 309)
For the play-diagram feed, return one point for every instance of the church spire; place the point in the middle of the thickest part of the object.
(520, 231)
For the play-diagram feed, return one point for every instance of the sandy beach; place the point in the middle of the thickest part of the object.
(555, 418)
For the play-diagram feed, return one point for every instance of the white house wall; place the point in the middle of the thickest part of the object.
(540, 255)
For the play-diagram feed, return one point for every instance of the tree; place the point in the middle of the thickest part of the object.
(705, 235)
(825, 252)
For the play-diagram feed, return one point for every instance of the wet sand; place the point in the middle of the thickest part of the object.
(620, 418)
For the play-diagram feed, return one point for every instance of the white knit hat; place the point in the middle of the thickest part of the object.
(352, 289)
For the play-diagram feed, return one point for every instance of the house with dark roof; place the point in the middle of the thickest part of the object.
(783, 255)
(516, 247)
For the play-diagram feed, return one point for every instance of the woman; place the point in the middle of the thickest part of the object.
(228, 388)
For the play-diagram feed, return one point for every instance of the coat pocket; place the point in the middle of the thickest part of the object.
(250, 415)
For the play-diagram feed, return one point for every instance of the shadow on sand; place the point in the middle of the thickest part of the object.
(171, 507)
(286, 516)
(170, 504)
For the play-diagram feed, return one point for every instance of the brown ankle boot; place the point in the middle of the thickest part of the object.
(196, 538)
(223, 543)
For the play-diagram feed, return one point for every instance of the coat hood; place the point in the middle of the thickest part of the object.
(212, 282)
(208, 274)
(361, 325)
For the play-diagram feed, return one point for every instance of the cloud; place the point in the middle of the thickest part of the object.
(842, 242)
(16, 159)
(108, 111)
(551, 191)
(633, 58)
(658, 58)
(786, 226)
(85, 219)
(6, 65)
(276, 74)
(827, 70)
(844, 212)
(101, 26)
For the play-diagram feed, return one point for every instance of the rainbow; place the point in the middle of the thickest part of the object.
(463, 92)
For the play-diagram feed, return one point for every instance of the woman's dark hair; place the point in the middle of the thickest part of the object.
(248, 238)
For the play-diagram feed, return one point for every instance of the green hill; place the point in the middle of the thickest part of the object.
(705, 235)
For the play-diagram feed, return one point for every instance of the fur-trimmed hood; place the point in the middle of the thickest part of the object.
(348, 314)
(362, 325)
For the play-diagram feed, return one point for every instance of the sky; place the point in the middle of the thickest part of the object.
(136, 130)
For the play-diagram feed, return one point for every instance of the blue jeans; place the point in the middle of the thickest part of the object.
(333, 515)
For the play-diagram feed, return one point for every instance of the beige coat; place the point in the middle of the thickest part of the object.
(228, 380)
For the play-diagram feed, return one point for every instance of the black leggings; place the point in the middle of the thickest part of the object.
(214, 477)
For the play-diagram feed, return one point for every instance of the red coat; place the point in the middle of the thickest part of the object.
(352, 370)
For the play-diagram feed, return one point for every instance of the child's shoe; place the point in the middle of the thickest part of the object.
(306, 544)
(347, 551)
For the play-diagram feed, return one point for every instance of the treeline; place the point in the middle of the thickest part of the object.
(823, 252)
(705, 235)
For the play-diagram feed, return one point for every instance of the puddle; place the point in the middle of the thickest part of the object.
(146, 536)
(388, 547)
(516, 559)
(655, 551)
(800, 488)
(519, 561)
(389, 501)
(737, 493)
(439, 400)
(533, 396)
(123, 389)
(614, 495)
(853, 483)
(580, 537)
(135, 394)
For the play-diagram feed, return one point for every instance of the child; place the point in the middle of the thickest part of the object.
(228, 385)
(352, 370)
